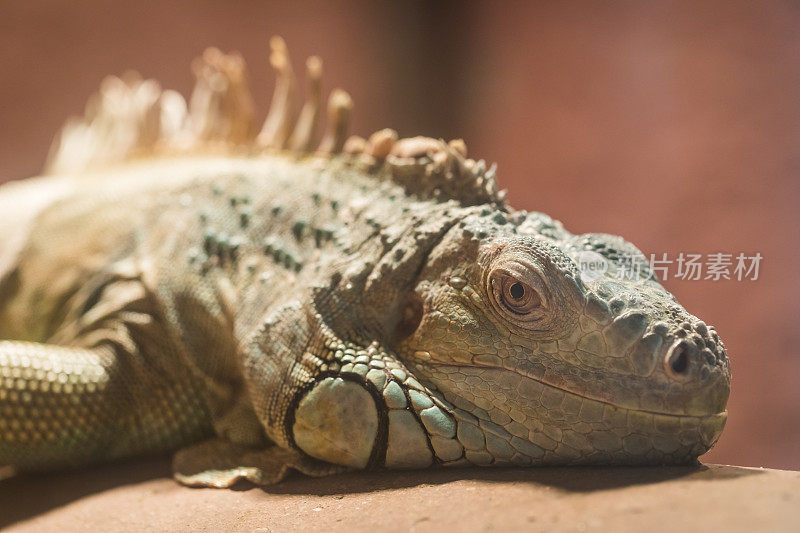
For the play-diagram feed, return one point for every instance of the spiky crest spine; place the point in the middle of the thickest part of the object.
(131, 118)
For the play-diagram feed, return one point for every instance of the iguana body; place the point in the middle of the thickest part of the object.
(182, 283)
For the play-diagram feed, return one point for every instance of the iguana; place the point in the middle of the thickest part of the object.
(259, 302)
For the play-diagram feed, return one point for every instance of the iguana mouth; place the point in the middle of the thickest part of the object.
(437, 361)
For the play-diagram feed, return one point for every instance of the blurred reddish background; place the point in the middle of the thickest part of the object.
(675, 124)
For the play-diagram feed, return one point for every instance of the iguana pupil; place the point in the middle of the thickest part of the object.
(517, 291)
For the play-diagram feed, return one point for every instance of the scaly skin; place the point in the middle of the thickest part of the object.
(183, 284)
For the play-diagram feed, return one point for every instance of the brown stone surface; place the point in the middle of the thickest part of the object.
(140, 496)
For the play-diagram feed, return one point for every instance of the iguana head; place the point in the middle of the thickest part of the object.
(597, 369)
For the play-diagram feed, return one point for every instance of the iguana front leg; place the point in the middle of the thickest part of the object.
(220, 463)
(329, 405)
(345, 401)
(365, 409)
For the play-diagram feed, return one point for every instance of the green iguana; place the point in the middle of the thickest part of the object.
(260, 302)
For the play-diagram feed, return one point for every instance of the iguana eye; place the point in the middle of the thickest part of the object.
(513, 296)
(518, 297)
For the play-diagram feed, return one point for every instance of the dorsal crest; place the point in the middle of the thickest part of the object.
(132, 118)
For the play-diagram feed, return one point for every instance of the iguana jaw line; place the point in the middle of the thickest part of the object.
(438, 361)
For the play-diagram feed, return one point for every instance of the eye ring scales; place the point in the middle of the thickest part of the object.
(514, 295)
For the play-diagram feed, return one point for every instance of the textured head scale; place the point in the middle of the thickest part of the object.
(603, 370)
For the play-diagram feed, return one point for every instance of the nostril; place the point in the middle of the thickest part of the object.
(678, 359)
(679, 362)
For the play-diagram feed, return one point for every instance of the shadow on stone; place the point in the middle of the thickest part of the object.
(570, 479)
(27, 496)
